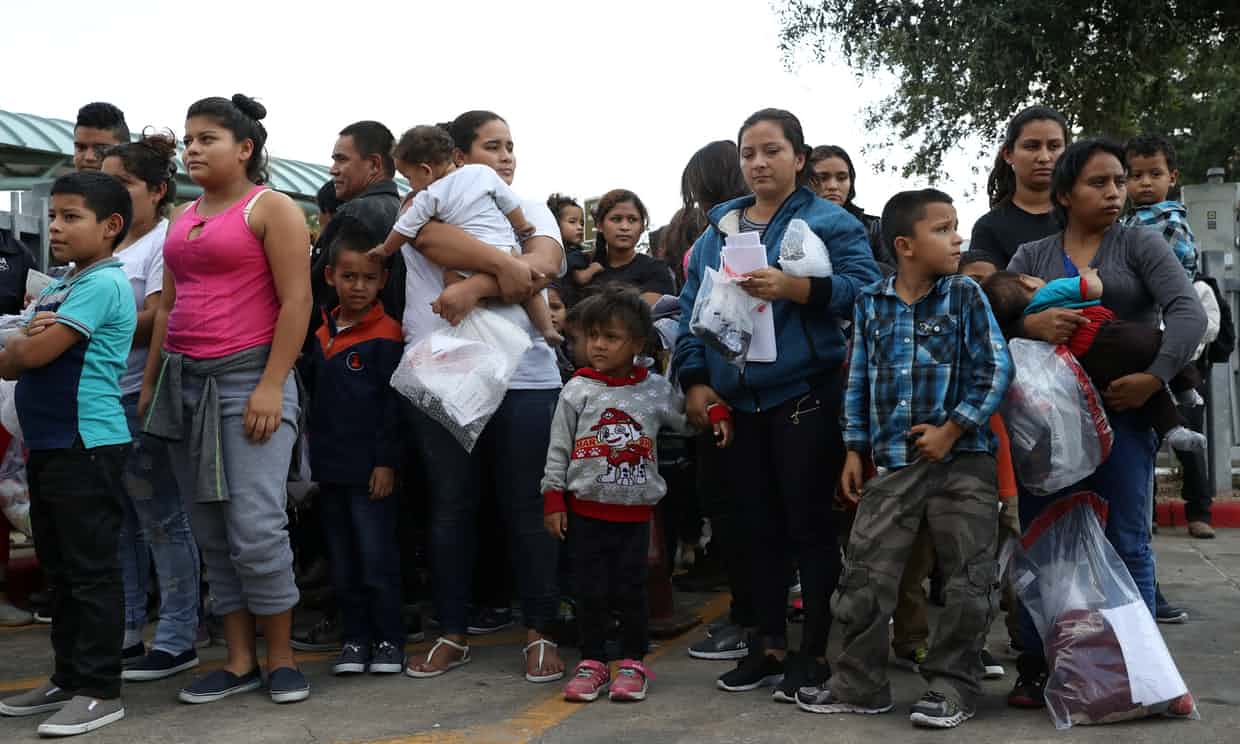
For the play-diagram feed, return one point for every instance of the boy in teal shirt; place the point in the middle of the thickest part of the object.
(68, 364)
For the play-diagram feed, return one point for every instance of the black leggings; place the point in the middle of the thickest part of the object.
(783, 467)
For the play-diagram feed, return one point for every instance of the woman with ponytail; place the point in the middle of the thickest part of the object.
(1020, 186)
(233, 315)
(151, 502)
(620, 218)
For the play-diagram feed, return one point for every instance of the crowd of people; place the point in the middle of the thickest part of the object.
(195, 357)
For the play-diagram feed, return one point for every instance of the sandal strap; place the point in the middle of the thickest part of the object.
(541, 642)
(441, 641)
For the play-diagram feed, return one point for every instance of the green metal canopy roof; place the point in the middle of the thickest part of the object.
(36, 148)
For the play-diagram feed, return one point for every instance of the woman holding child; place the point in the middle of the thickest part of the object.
(788, 448)
(1142, 283)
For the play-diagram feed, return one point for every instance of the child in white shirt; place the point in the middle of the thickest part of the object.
(472, 197)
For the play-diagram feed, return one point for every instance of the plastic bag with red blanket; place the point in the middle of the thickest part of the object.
(1106, 657)
(1055, 420)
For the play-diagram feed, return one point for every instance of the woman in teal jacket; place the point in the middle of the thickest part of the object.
(788, 449)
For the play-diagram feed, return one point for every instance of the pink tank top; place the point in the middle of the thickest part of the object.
(226, 297)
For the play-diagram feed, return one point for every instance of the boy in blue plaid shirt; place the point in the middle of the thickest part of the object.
(1152, 173)
(929, 366)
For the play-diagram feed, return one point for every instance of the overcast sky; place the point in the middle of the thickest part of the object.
(599, 94)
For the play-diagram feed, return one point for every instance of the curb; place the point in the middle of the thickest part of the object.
(1222, 514)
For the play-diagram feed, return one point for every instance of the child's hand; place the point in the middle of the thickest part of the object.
(377, 252)
(40, 322)
(934, 442)
(263, 412)
(723, 434)
(556, 524)
(382, 480)
(851, 479)
(524, 231)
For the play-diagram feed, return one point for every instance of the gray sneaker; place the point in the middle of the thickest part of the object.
(43, 699)
(728, 642)
(83, 714)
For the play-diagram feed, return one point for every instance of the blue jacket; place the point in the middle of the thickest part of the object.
(354, 412)
(809, 341)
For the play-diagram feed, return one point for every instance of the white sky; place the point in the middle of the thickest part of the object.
(599, 95)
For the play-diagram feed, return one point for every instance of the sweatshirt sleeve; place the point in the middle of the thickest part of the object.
(689, 357)
(1058, 293)
(1183, 316)
(559, 452)
(674, 420)
(852, 266)
(391, 432)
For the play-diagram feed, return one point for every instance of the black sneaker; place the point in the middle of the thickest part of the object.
(387, 659)
(322, 636)
(991, 668)
(353, 659)
(287, 685)
(757, 669)
(727, 642)
(220, 684)
(934, 710)
(1167, 613)
(820, 699)
(132, 654)
(159, 665)
(799, 671)
(1030, 688)
(487, 620)
(413, 624)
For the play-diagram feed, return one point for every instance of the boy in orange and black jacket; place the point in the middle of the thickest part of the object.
(355, 444)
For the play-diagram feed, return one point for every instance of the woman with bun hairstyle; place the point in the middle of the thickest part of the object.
(233, 315)
(151, 502)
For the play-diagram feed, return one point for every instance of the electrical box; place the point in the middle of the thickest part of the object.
(1212, 215)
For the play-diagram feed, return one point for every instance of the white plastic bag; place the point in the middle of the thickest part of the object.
(1054, 417)
(723, 317)
(802, 252)
(460, 376)
(1107, 660)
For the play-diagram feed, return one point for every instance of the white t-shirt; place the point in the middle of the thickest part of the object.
(472, 197)
(424, 283)
(143, 264)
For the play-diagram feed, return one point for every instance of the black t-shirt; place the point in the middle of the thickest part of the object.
(16, 260)
(1005, 228)
(643, 272)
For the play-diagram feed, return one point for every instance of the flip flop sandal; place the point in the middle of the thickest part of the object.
(542, 644)
(465, 659)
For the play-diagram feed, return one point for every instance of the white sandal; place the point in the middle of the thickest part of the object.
(542, 644)
(441, 641)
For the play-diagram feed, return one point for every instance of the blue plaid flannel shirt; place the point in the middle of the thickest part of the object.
(1171, 219)
(942, 358)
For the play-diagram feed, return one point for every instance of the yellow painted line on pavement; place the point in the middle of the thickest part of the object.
(544, 715)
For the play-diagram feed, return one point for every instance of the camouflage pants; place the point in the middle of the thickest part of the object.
(958, 502)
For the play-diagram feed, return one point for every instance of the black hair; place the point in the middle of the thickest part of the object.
(1008, 298)
(606, 203)
(351, 234)
(100, 115)
(242, 116)
(1070, 164)
(326, 197)
(678, 237)
(904, 210)
(372, 138)
(104, 196)
(151, 159)
(424, 144)
(616, 302)
(968, 258)
(1001, 185)
(1149, 145)
(557, 202)
(712, 176)
(823, 152)
(793, 132)
(464, 128)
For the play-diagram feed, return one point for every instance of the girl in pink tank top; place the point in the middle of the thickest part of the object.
(236, 281)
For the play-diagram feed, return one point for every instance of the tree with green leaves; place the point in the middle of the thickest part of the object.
(963, 67)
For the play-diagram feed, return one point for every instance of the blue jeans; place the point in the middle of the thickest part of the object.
(365, 562)
(155, 523)
(512, 451)
(1125, 481)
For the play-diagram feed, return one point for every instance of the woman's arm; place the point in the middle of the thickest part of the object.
(1054, 326)
(452, 248)
(159, 332)
(542, 258)
(279, 224)
(1183, 317)
(146, 319)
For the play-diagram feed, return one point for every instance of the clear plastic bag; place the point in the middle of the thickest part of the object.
(1107, 660)
(802, 252)
(1054, 416)
(723, 317)
(460, 376)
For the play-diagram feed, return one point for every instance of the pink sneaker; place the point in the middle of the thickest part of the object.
(589, 679)
(630, 682)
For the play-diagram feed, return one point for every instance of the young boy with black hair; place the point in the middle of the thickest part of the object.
(601, 483)
(355, 445)
(68, 364)
(929, 367)
(1152, 173)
